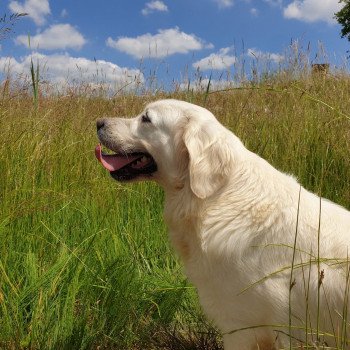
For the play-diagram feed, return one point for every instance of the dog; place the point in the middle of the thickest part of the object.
(268, 258)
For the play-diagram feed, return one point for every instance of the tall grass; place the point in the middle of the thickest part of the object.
(85, 262)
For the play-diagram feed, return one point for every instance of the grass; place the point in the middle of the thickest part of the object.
(85, 262)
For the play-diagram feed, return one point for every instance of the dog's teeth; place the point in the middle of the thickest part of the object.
(144, 159)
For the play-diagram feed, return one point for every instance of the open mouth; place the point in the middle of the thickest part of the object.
(125, 167)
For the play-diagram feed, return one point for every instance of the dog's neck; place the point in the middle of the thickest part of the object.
(181, 210)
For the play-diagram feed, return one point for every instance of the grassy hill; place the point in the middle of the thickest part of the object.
(85, 262)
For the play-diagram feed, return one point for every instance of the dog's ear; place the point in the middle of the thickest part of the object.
(210, 158)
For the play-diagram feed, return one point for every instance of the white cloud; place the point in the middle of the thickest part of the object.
(312, 10)
(64, 13)
(57, 36)
(202, 85)
(254, 12)
(224, 3)
(153, 6)
(217, 61)
(266, 56)
(167, 42)
(36, 9)
(64, 69)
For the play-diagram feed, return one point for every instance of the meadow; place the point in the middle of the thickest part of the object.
(85, 262)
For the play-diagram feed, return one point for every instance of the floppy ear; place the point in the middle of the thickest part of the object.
(210, 158)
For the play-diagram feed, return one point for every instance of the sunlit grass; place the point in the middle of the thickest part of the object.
(85, 261)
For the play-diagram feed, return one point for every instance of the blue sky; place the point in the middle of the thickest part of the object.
(122, 41)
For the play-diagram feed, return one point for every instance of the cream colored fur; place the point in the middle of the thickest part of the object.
(232, 217)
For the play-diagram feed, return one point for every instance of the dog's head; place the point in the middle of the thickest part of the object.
(172, 142)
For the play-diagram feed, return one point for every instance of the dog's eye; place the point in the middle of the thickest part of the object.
(145, 119)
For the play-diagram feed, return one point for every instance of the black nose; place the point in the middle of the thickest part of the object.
(100, 124)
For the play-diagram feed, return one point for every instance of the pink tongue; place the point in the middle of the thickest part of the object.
(113, 162)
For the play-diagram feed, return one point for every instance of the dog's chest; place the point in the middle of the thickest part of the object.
(217, 280)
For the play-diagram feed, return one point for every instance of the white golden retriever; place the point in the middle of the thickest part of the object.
(239, 225)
